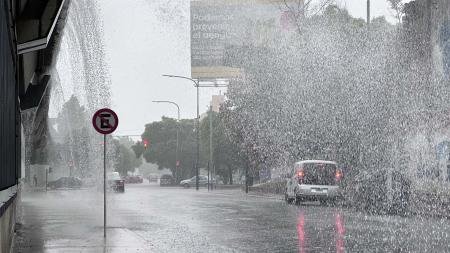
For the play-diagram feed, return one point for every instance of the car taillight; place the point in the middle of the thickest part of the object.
(338, 175)
(300, 176)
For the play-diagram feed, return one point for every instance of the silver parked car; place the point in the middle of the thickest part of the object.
(313, 180)
(202, 181)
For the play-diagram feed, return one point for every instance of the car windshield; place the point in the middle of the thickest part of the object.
(224, 126)
(114, 176)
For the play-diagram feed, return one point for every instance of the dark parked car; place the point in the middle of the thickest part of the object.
(65, 182)
(134, 179)
(166, 180)
(116, 183)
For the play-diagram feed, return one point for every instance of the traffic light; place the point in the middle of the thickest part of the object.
(146, 143)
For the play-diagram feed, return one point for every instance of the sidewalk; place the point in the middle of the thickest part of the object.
(47, 223)
(118, 240)
(431, 200)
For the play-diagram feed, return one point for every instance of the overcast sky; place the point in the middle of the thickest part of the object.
(150, 39)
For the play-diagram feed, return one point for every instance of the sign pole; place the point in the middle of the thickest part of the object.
(46, 178)
(104, 185)
(105, 121)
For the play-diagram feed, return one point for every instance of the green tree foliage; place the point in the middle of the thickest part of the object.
(162, 145)
(125, 160)
(71, 143)
(138, 149)
(72, 116)
(226, 156)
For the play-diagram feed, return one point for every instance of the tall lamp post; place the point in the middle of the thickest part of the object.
(197, 125)
(178, 132)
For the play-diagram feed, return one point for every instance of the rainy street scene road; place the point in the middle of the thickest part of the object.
(150, 218)
(224, 126)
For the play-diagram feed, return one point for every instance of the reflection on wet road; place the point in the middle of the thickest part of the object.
(321, 240)
(148, 218)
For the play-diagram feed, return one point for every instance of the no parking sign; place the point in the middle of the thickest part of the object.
(105, 121)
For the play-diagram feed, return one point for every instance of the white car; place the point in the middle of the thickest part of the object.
(202, 181)
(313, 180)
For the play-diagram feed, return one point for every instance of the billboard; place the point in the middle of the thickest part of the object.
(221, 29)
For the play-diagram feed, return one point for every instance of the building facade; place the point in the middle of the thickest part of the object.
(216, 102)
(27, 44)
(427, 36)
(9, 150)
(427, 25)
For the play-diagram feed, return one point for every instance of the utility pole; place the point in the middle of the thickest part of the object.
(46, 178)
(209, 176)
(197, 127)
(368, 36)
(211, 142)
(246, 178)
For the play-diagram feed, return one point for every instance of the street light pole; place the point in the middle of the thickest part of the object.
(178, 132)
(211, 145)
(197, 86)
(197, 126)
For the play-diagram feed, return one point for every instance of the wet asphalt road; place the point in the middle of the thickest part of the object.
(148, 218)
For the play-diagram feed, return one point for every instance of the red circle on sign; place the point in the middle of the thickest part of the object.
(102, 115)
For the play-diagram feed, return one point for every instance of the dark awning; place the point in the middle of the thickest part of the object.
(34, 94)
(36, 24)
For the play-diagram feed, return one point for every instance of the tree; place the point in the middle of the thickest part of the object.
(299, 10)
(398, 7)
(125, 159)
(71, 141)
(138, 149)
(226, 156)
(162, 145)
(305, 8)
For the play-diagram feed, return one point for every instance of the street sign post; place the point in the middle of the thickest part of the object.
(105, 121)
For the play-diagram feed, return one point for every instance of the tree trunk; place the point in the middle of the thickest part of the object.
(231, 174)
